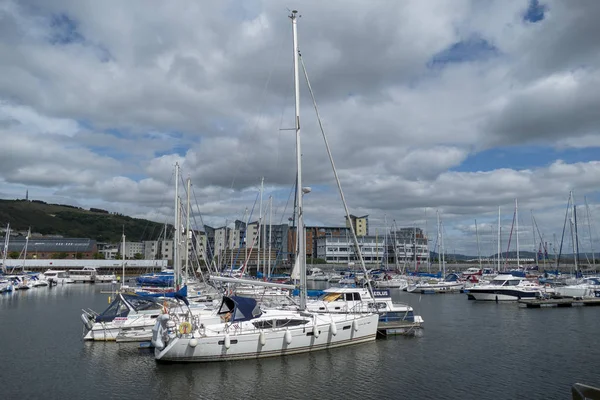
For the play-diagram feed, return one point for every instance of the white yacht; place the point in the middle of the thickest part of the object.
(449, 284)
(391, 281)
(246, 331)
(586, 288)
(316, 274)
(55, 277)
(360, 300)
(506, 288)
(86, 274)
(243, 330)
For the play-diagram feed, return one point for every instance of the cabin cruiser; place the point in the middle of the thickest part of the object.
(86, 274)
(360, 300)
(316, 274)
(450, 284)
(55, 277)
(506, 288)
(391, 281)
(243, 330)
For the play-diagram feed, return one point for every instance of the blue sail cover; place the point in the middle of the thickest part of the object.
(180, 293)
(241, 308)
(160, 279)
(451, 277)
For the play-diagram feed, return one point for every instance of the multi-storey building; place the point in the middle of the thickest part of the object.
(360, 224)
(405, 246)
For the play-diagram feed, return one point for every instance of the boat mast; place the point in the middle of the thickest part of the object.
(176, 231)
(270, 233)
(575, 238)
(301, 256)
(123, 258)
(478, 248)
(517, 232)
(443, 251)
(587, 208)
(5, 251)
(499, 250)
(188, 235)
(259, 228)
(437, 212)
(25, 250)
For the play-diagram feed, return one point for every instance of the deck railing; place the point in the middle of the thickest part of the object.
(580, 391)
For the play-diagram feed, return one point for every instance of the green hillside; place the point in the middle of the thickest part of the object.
(70, 221)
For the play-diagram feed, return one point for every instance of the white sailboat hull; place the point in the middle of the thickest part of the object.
(441, 287)
(348, 330)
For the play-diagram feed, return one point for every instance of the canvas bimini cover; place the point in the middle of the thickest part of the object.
(240, 308)
(124, 303)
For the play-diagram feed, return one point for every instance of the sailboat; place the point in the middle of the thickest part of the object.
(244, 330)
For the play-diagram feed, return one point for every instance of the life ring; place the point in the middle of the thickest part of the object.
(185, 328)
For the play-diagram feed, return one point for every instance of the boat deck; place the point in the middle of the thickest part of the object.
(560, 302)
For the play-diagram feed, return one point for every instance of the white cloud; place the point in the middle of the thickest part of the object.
(98, 100)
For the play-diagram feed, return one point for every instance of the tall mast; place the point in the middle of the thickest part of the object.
(576, 242)
(443, 251)
(299, 193)
(535, 246)
(517, 232)
(270, 233)
(188, 235)
(587, 209)
(123, 258)
(437, 212)
(5, 250)
(176, 231)
(259, 227)
(478, 248)
(499, 239)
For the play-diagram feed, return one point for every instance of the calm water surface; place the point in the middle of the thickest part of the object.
(468, 350)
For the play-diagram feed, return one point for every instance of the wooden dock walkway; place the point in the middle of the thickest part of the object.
(562, 302)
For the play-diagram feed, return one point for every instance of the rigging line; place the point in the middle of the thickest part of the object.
(509, 239)
(563, 232)
(260, 106)
(339, 185)
(209, 250)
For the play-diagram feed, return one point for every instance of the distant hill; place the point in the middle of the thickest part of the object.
(75, 222)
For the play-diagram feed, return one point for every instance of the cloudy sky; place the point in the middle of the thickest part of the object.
(459, 106)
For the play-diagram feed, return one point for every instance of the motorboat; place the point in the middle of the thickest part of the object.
(316, 274)
(391, 281)
(507, 288)
(360, 300)
(86, 274)
(55, 277)
(450, 284)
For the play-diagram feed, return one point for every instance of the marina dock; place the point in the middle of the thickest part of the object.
(385, 329)
(560, 302)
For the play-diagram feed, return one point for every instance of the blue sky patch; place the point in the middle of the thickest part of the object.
(535, 11)
(523, 157)
(64, 30)
(473, 49)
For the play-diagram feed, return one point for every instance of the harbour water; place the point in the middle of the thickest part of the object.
(468, 350)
